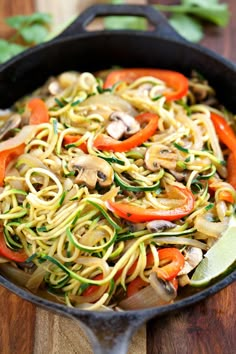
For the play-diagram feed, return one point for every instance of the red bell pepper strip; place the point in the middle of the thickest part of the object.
(91, 289)
(149, 263)
(135, 285)
(6, 156)
(231, 169)
(70, 139)
(39, 112)
(16, 256)
(175, 263)
(224, 131)
(106, 143)
(173, 79)
(137, 214)
(169, 271)
(226, 196)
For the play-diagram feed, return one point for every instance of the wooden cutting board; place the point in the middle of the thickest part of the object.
(206, 328)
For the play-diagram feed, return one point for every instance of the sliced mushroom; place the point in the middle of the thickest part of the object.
(67, 78)
(54, 87)
(159, 155)
(144, 89)
(92, 170)
(164, 289)
(123, 124)
(193, 257)
(159, 225)
(5, 114)
(180, 176)
(116, 129)
(12, 123)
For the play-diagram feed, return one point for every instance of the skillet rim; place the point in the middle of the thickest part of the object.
(149, 312)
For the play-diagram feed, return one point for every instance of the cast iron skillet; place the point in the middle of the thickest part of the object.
(80, 50)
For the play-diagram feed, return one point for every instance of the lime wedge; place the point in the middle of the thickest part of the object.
(219, 257)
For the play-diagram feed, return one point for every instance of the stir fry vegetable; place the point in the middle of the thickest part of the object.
(174, 80)
(113, 190)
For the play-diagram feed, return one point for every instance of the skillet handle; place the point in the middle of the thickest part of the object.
(110, 334)
(159, 21)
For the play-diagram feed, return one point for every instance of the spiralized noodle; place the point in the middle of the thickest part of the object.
(79, 247)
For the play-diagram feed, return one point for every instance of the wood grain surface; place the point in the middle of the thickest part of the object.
(206, 328)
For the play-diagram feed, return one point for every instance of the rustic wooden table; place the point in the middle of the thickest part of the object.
(206, 328)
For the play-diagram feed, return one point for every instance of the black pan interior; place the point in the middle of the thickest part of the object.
(96, 51)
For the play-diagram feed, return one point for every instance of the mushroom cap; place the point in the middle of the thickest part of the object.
(122, 124)
(159, 155)
(13, 122)
(92, 170)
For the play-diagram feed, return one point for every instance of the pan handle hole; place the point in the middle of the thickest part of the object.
(136, 23)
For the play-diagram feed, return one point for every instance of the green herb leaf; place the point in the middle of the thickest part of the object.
(75, 103)
(40, 17)
(181, 148)
(125, 22)
(21, 21)
(8, 50)
(211, 11)
(34, 34)
(202, 3)
(209, 206)
(17, 22)
(187, 27)
(42, 229)
(59, 102)
(156, 98)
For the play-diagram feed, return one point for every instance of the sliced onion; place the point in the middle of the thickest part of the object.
(144, 298)
(17, 275)
(16, 183)
(98, 263)
(114, 102)
(210, 228)
(91, 298)
(221, 209)
(37, 277)
(30, 161)
(178, 240)
(19, 139)
(93, 237)
(158, 293)
(165, 291)
(112, 193)
(98, 306)
(95, 261)
(171, 203)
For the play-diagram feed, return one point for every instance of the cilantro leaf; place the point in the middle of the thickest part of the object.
(187, 27)
(34, 34)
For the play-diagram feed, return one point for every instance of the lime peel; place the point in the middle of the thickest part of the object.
(218, 259)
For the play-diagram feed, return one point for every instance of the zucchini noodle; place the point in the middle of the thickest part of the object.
(61, 199)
